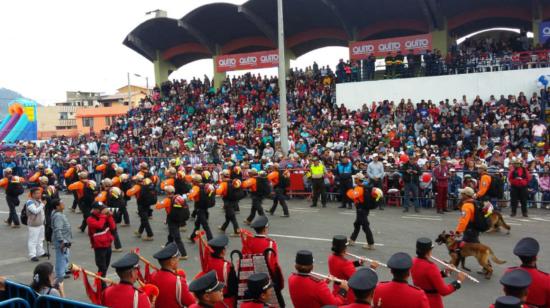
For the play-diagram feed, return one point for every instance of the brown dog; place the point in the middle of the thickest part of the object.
(496, 222)
(459, 251)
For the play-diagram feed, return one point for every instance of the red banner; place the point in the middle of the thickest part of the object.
(380, 48)
(247, 61)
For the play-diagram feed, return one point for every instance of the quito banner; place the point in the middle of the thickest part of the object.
(247, 61)
(380, 48)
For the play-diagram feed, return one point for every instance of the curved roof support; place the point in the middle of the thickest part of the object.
(259, 22)
(486, 13)
(198, 35)
(142, 46)
(429, 10)
(338, 14)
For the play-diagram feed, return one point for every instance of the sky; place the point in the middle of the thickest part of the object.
(49, 47)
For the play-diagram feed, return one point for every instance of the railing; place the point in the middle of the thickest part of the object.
(14, 289)
(48, 301)
(15, 303)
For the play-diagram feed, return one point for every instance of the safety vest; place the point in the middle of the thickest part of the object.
(317, 172)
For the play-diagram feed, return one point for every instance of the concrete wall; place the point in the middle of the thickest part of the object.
(354, 95)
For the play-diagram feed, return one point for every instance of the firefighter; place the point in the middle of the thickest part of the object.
(177, 213)
(231, 192)
(280, 182)
(144, 192)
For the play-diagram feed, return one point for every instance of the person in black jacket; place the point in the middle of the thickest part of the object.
(14, 189)
(411, 173)
(344, 171)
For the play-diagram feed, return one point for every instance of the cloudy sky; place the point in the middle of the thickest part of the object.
(49, 47)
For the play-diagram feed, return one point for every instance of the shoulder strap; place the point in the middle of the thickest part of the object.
(136, 299)
(178, 290)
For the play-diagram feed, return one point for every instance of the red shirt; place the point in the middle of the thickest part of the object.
(223, 270)
(426, 276)
(100, 228)
(253, 305)
(539, 290)
(341, 268)
(521, 180)
(257, 245)
(356, 305)
(309, 292)
(122, 296)
(396, 294)
(166, 281)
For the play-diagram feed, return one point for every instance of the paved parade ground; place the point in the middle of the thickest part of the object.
(307, 228)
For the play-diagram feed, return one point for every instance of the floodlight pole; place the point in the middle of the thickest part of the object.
(282, 80)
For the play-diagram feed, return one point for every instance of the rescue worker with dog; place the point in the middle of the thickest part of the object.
(465, 225)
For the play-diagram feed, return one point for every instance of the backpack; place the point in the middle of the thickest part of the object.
(284, 182)
(496, 189)
(109, 172)
(234, 194)
(262, 187)
(368, 202)
(89, 195)
(148, 195)
(181, 186)
(206, 200)
(14, 189)
(178, 213)
(480, 223)
(24, 217)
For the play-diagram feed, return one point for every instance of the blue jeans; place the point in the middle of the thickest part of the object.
(61, 263)
(410, 190)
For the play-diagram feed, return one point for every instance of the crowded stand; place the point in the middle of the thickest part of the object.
(189, 141)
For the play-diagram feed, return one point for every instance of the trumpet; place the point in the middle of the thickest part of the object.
(454, 269)
(366, 259)
(75, 268)
(327, 277)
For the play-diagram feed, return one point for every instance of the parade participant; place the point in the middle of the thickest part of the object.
(119, 171)
(465, 225)
(111, 197)
(62, 238)
(507, 302)
(144, 193)
(100, 230)
(527, 250)
(441, 174)
(105, 168)
(224, 269)
(362, 283)
(519, 178)
(14, 188)
(125, 185)
(49, 194)
(115, 199)
(171, 283)
(259, 291)
(317, 173)
(344, 172)
(124, 294)
(177, 212)
(484, 183)
(308, 291)
(85, 190)
(207, 290)
(181, 183)
(52, 178)
(516, 283)
(39, 172)
(360, 195)
(427, 276)
(71, 176)
(170, 178)
(202, 195)
(279, 181)
(35, 223)
(399, 293)
(231, 193)
(259, 189)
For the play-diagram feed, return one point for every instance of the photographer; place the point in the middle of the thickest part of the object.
(61, 239)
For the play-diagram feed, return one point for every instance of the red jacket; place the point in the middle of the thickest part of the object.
(100, 228)
(122, 296)
(519, 180)
(426, 276)
(226, 274)
(341, 268)
(309, 292)
(356, 305)
(253, 305)
(167, 283)
(441, 174)
(397, 294)
(257, 245)
(539, 290)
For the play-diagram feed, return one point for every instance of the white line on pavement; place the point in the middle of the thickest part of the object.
(540, 219)
(514, 224)
(421, 218)
(13, 261)
(313, 238)
(421, 215)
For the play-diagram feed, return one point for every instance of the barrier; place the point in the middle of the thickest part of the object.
(48, 301)
(297, 186)
(15, 303)
(14, 289)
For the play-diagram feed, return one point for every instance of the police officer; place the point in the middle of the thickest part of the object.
(317, 173)
(344, 173)
(362, 283)
(309, 291)
(259, 291)
(224, 269)
(124, 294)
(516, 283)
(527, 250)
(427, 276)
(398, 293)
(171, 282)
(207, 289)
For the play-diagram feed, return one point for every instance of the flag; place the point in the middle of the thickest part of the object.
(204, 251)
(93, 295)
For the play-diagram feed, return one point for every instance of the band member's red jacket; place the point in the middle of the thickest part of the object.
(168, 285)
(539, 290)
(399, 294)
(307, 291)
(123, 295)
(426, 276)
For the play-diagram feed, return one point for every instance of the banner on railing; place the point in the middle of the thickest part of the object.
(380, 48)
(247, 61)
(544, 32)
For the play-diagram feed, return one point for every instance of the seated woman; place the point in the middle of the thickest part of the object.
(43, 281)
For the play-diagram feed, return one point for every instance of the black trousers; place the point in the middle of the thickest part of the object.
(175, 236)
(75, 200)
(85, 209)
(229, 208)
(318, 187)
(345, 185)
(12, 204)
(202, 220)
(122, 215)
(102, 259)
(518, 194)
(471, 236)
(143, 213)
(279, 197)
(362, 221)
(256, 207)
(117, 242)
